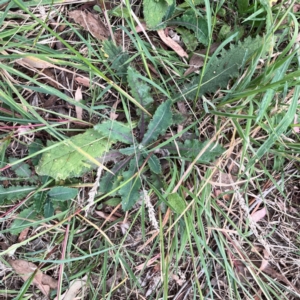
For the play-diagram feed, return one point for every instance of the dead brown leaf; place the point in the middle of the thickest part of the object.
(83, 81)
(50, 101)
(148, 264)
(113, 115)
(296, 8)
(73, 290)
(258, 215)
(178, 280)
(91, 23)
(23, 234)
(140, 28)
(171, 43)
(197, 59)
(224, 183)
(265, 260)
(25, 269)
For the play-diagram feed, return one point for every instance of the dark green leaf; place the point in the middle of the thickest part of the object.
(162, 119)
(154, 164)
(221, 69)
(139, 89)
(129, 150)
(13, 193)
(60, 205)
(109, 180)
(62, 193)
(22, 169)
(118, 58)
(34, 147)
(24, 218)
(130, 192)
(48, 209)
(191, 148)
(39, 200)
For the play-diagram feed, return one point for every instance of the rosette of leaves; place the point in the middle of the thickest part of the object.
(129, 168)
(126, 174)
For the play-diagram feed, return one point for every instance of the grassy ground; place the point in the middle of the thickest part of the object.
(133, 169)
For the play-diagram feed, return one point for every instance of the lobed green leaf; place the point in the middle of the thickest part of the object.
(154, 164)
(221, 69)
(14, 193)
(154, 11)
(22, 169)
(139, 89)
(71, 157)
(24, 218)
(62, 193)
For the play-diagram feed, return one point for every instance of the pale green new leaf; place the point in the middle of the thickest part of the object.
(62, 193)
(115, 131)
(154, 11)
(162, 119)
(66, 161)
(176, 203)
(24, 218)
